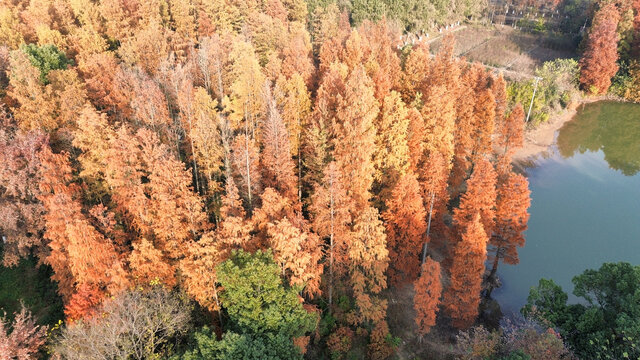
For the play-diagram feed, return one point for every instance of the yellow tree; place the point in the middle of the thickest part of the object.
(278, 168)
(369, 260)
(391, 155)
(207, 137)
(298, 253)
(246, 104)
(294, 100)
(199, 271)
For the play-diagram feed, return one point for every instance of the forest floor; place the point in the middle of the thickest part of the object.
(506, 48)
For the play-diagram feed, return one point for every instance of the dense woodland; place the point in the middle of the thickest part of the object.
(251, 179)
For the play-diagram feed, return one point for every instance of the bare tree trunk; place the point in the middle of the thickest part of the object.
(331, 247)
(424, 247)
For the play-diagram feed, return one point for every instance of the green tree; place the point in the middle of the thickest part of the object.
(46, 58)
(234, 346)
(367, 10)
(256, 299)
(265, 315)
(607, 324)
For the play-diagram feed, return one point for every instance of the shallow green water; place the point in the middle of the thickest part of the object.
(585, 202)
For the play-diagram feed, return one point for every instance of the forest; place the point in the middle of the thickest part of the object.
(241, 179)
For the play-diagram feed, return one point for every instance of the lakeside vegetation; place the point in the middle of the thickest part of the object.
(257, 180)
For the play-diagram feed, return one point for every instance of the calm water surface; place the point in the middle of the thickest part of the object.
(585, 203)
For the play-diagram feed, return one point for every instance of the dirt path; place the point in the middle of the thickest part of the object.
(538, 141)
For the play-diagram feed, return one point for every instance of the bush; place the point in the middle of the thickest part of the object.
(137, 324)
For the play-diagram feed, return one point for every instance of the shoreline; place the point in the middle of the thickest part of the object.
(538, 141)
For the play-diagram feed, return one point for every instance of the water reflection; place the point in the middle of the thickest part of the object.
(585, 203)
(611, 127)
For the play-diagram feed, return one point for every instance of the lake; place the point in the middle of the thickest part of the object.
(585, 203)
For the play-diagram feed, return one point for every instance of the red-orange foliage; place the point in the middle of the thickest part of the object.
(480, 198)
(379, 347)
(511, 138)
(428, 290)
(83, 303)
(20, 211)
(149, 264)
(383, 64)
(512, 130)
(598, 63)
(153, 191)
(415, 139)
(340, 341)
(511, 219)
(331, 219)
(464, 128)
(355, 137)
(462, 297)
(484, 116)
(406, 226)
(233, 230)
(416, 72)
(78, 252)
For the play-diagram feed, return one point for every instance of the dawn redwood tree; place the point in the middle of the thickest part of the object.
(278, 168)
(484, 119)
(298, 254)
(462, 297)
(245, 158)
(78, 253)
(511, 138)
(428, 290)
(20, 210)
(331, 219)
(415, 139)
(148, 263)
(392, 151)
(511, 221)
(464, 128)
(83, 303)
(512, 130)
(405, 220)
(355, 132)
(479, 199)
(369, 260)
(599, 61)
(198, 270)
(439, 115)
(434, 193)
